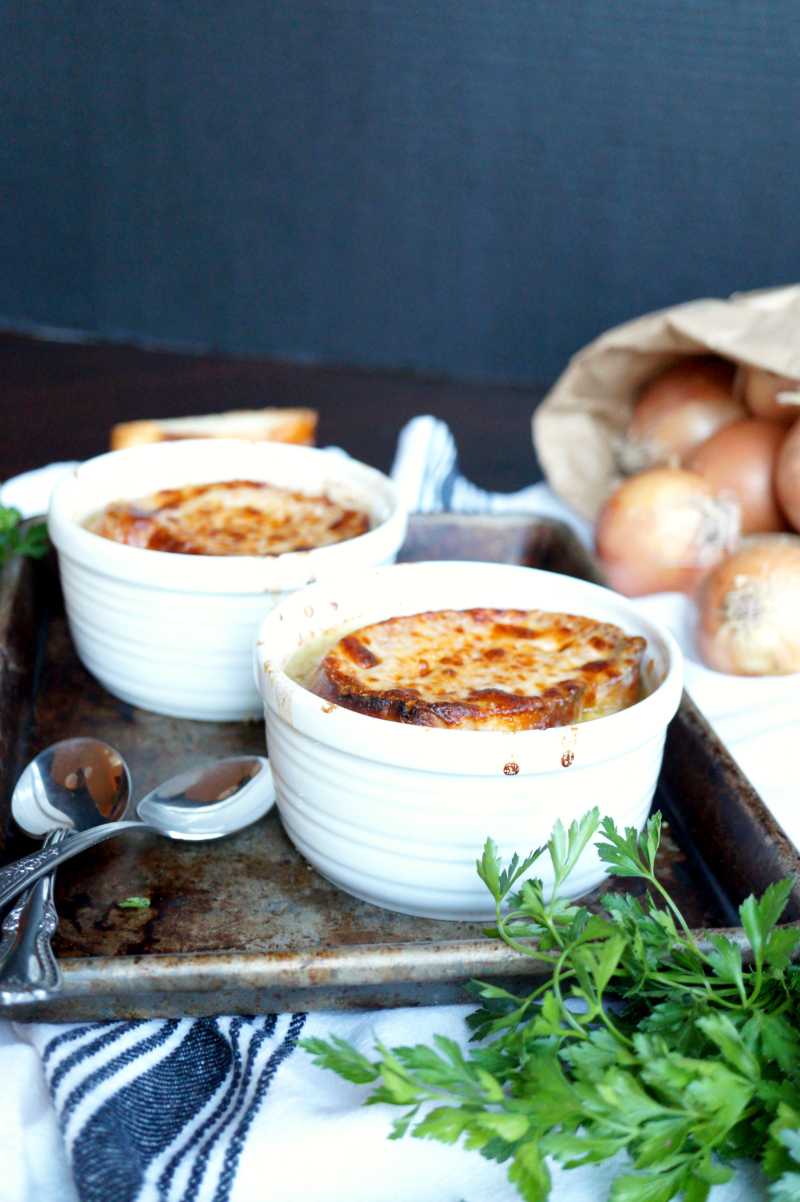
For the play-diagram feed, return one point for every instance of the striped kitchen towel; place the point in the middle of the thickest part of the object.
(162, 1109)
(427, 477)
(223, 1110)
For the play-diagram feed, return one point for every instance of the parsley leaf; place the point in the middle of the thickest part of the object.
(33, 542)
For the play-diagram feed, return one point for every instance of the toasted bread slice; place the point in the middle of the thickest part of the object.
(484, 669)
(255, 425)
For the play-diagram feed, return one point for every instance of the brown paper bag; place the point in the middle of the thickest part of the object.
(583, 418)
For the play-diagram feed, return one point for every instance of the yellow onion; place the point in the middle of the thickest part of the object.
(749, 609)
(661, 530)
(741, 458)
(761, 389)
(787, 475)
(678, 410)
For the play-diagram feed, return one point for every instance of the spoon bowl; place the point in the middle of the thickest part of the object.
(209, 802)
(74, 785)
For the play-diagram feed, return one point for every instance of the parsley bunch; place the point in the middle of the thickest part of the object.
(33, 541)
(640, 1039)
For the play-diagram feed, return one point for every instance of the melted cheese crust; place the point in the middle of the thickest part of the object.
(236, 517)
(484, 669)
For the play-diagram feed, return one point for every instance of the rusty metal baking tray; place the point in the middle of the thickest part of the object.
(244, 925)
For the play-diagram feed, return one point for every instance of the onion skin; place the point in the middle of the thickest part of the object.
(759, 389)
(749, 609)
(678, 410)
(787, 475)
(661, 530)
(742, 459)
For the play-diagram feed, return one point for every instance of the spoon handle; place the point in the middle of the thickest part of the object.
(28, 969)
(17, 877)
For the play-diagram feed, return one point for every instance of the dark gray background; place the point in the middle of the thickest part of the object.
(473, 187)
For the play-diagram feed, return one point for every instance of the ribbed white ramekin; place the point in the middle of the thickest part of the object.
(397, 814)
(174, 633)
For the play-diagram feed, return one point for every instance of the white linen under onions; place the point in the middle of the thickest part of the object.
(749, 609)
(659, 531)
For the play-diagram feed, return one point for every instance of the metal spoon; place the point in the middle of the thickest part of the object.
(61, 776)
(203, 803)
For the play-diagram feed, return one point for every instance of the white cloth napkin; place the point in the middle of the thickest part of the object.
(226, 1110)
(30, 492)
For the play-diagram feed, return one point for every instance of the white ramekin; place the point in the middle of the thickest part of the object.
(397, 814)
(174, 633)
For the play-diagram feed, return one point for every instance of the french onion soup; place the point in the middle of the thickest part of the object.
(235, 517)
(483, 669)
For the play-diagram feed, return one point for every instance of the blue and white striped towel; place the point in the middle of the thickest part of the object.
(169, 1103)
(225, 1109)
(218, 1110)
(426, 474)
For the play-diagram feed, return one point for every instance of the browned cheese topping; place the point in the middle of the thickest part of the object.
(484, 669)
(237, 517)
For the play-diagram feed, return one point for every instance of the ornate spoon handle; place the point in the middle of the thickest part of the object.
(28, 969)
(17, 877)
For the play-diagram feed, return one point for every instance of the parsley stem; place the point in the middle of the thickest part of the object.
(704, 990)
(512, 942)
(759, 980)
(615, 1031)
(690, 937)
(577, 1027)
